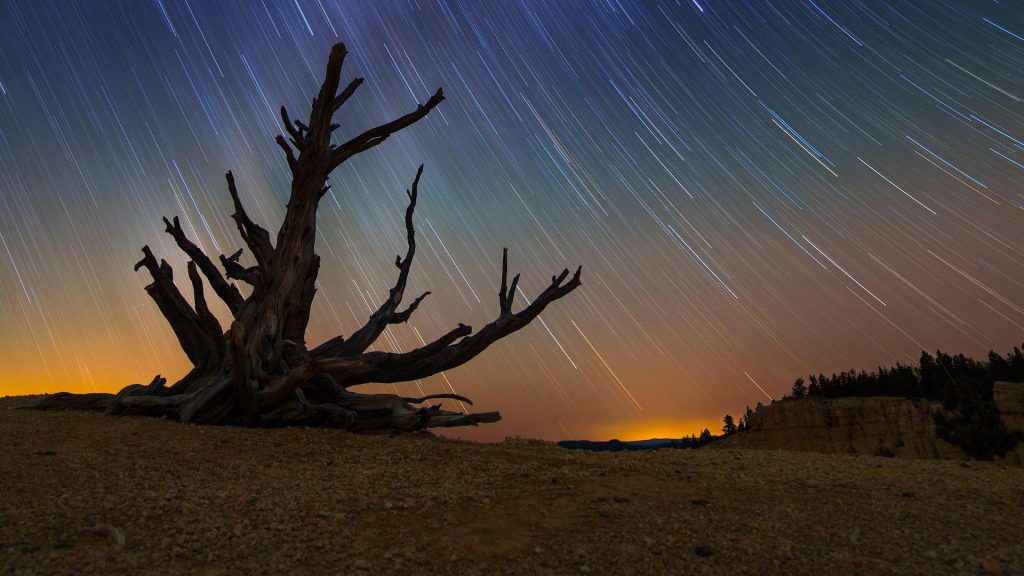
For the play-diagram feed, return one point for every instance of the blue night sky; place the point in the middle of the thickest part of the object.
(756, 190)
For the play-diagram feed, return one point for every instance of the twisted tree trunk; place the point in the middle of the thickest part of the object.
(260, 372)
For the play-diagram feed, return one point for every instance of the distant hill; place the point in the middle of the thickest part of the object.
(630, 445)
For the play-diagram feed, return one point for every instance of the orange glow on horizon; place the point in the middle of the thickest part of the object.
(659, 429)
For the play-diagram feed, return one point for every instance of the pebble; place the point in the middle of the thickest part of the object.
(221, 499)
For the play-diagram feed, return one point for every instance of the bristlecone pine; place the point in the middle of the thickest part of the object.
(260, 371)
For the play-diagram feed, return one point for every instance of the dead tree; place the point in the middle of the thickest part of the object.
(260, 372)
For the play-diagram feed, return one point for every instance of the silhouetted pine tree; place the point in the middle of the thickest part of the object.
(799, 389)
(728, 425)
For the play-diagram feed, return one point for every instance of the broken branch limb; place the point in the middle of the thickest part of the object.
(235, 271)
(387, 313)
(255, 236)
(289, 154)
(445, 396)
(347, 93)
(207, 321)
(440, 355)
(183, 319)
(375, 136)
(226, 291)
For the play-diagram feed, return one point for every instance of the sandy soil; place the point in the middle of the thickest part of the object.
(221, 500)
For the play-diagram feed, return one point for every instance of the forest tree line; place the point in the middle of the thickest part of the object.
(963, 385)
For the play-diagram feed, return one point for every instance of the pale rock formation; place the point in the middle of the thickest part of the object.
(902, 427)
(1009, 398)
(881, 425)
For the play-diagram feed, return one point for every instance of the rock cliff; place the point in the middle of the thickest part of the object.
(885, 426)
(901, 427)
(1009, 398)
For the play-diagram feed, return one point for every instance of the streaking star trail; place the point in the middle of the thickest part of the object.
(756, 191)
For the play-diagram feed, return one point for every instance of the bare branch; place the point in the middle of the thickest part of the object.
(207, 320)
(438, 396)
(254, 235)
(289, 154)
(403, 316)
(361, 364)
(156, 385)
(197, 290)
(294, 129)
(227, 292)
(324, 104)
(251, 276)
(506, 294)
(347, 93)
(386, 313)
(444, 353)
(375, 136)
(183, 319)
(329, 349)
(446, 419)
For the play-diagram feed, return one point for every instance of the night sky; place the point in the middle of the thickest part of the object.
(756, 190)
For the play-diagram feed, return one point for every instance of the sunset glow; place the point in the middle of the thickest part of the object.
(755, 192)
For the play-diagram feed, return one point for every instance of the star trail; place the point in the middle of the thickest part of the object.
(756, 190)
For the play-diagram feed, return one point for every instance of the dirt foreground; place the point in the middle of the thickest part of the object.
(88, 494)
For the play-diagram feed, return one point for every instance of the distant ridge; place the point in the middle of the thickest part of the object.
(630, 445)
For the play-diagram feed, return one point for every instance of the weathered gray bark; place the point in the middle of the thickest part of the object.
(260, 372)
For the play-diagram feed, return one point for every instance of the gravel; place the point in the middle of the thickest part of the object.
(89, 494)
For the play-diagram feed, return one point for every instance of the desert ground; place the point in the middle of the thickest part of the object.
(89, 494)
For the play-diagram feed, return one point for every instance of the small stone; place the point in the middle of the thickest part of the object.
(110, 531)
(703, 551)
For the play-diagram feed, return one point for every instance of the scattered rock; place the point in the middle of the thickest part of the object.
(109, 531)
(271, 504)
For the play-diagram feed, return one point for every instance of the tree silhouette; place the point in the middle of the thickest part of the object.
(260, 372)
(728, 425)
(799, 389)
